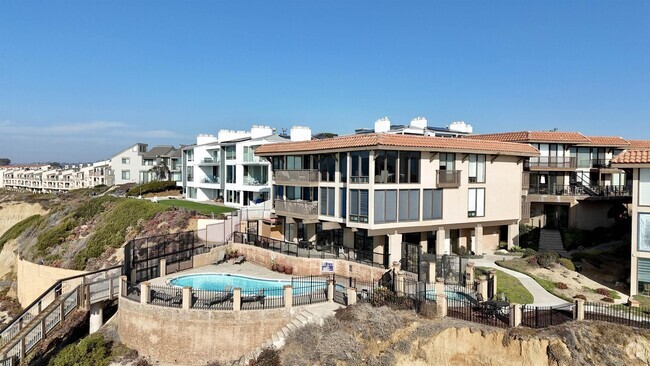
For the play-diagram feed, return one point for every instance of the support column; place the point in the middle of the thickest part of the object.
(441, 246)
(236, 299)
(330, 290)
(478, 239)
(431, 274)
(351, 293)
(482, 286)
(96, 317)
(145, 292)
(288, 296)
(515, 315)
(163, 267)
(492, 274)
(469, 275)
(441, 305)
(394, 248)
(513, 235)
(187, 297)
(423, 242)
(122, 288)
(579, 310)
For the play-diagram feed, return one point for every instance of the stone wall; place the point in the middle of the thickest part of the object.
(33, 279)
(196, 337)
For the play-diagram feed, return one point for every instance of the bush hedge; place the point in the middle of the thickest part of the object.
(566, 263)
(153, 187)
(90, 351)
(546, 259)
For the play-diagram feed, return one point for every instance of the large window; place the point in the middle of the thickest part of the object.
(385, 206)
(327, 168)
(432, 204)
(359, 205)
(476, 168)
(409, 204)
(231, 153)
(293, 193)
(278, 192)
(255, 175)
(249, 153)
(643, 275)
(343, 167)
(231, 174)
(126, 161)
(126, 174)
(327, 201)
(360, 166)
(294, 162)
(644, 187)
(289, 231)
(644, 232)
(447, 161)
(409, 166)
(385, 166)
(363, 245)
(189, 154)
(476, 202)
(344, 203)
(278, 162)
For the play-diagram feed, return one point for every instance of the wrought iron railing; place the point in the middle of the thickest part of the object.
(448, 178)
(283, 176)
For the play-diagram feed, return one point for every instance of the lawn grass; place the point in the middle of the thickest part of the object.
(520, 266)
(644, 301)
(511, 287)
(203, 208)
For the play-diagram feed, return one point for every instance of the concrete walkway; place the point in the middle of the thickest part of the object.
(541, 296)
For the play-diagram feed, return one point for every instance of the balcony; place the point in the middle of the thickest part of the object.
(254, 181)
(448, 178)
(552, 163)
(307, 177)
(558, 190)
(213, 180)
(209, 161)
(297, 209)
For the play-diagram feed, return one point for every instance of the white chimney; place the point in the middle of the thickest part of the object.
(382, 125)
(261, 131)
(300, 133)
(228, 135)
(461, 126)
(419, 122)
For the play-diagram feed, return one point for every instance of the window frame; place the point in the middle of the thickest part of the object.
(476, 201)
(475, 178)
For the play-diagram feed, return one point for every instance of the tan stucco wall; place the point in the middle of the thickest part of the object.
(33, 279)
(491, 239)
(196, 337)
(590, 215)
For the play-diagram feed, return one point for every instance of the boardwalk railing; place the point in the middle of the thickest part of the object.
(50, 309)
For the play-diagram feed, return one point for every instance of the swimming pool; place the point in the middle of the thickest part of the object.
(218, 282)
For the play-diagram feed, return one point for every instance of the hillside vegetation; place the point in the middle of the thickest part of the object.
(82, 228)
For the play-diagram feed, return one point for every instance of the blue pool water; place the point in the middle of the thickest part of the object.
(218, 282)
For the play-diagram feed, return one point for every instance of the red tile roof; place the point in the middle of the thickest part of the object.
(606, 141)
(634, 156)
(639, 144)
(533, 136)
(395, 140)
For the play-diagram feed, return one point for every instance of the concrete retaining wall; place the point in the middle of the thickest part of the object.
(196, 337)
(33, 279)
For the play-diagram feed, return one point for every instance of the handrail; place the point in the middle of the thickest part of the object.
(48, 291)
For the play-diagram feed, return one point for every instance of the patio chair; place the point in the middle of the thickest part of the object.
(241, 259)
(253, 298)
(222, 297)
(165, 297)
(220, 259)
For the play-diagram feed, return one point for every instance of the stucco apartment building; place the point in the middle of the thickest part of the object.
(224, 168)
(384, 197)
(134, 164)
(42, 178)
(637, 161)
(572, 183)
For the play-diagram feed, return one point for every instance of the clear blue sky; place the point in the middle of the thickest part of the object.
(79, 80)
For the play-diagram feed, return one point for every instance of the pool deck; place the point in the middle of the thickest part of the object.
(244, 269)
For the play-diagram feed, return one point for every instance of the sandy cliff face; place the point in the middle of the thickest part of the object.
(12, 213)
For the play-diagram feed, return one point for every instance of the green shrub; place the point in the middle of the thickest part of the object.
(529, 252)
(19, 228)
(111, 231)
(90, 351)
(268, 357)
(566, 263)
(93, 207)
(54, 236)
(607, 299)
(580, 296)
(152, 187)
(546, 259)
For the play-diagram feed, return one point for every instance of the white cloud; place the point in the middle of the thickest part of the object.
(84, 129)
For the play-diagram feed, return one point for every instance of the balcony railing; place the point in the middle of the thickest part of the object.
(305, 176)
(448, 178)
(298, 209)
(553, 162)
(580, 190)
(254, 181)
(214, 180)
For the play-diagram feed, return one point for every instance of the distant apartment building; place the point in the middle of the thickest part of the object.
(47, 179)
(637, 161)
(137, 164)
(572, 183)
(418, 126)
(384, 197)
(224, 168)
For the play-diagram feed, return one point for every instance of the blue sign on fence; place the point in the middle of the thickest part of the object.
(327, 267)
